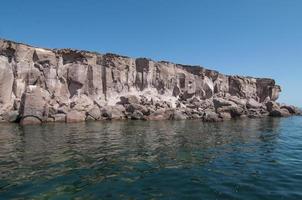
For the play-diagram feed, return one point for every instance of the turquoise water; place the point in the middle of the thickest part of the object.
(244, 159)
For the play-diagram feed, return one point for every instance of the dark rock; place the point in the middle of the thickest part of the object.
(271, 105)
(291, 109)
(113, 112)
(280, 113)
(137, 115)
(106, 113)
(130, 99)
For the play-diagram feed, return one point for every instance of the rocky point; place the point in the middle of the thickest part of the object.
(39, 85)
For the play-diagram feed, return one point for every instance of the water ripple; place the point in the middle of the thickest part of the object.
(245, 159)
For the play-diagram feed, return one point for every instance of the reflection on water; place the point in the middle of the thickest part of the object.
(245, 159)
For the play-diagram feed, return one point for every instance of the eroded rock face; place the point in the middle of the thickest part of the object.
(34, 104)
(42, 85)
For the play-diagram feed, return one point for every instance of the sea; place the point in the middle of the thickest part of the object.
(237, 159)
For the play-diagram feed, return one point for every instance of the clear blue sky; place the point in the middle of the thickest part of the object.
(261, 38)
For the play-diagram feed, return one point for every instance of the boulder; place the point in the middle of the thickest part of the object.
(237, 100)
(130, 99)
(195, 116)
(29, 120)
(254, 113)
(210, 116)
(75, 116)
(178, 115)
(113, 112)
(106, 113)
(117, 112)
(225, 115)
(272, 105)
(220, 102)
(59, 117)
(279, 113)
(234, 111)
(94, 112)
(132, 107)
(161, 114)
(11, 116)
(35, 103)
(137, 115)
(252, 103)
(291, 109)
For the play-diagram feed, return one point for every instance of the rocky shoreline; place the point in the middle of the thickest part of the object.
(63, 85)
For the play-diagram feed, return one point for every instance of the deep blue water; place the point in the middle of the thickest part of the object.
(244, 159)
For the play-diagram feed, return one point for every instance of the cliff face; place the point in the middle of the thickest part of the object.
(39, 85)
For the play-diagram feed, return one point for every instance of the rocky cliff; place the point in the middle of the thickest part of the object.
(49, 85)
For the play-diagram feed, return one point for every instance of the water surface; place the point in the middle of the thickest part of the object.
(244, 159)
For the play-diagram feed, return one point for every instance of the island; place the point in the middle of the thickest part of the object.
(39, 85)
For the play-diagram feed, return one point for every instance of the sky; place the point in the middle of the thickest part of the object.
(261, 38)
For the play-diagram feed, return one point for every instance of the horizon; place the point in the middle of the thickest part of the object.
(235, 38)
